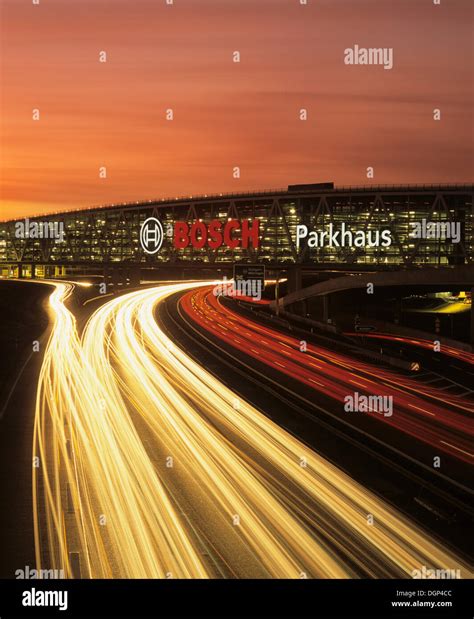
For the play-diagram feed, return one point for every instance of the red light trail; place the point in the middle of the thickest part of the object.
(444, 421)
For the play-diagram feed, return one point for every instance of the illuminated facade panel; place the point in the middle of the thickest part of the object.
(111, 234)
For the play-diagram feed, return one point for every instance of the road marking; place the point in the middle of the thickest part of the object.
(356, 382)
(421, 409)
(458, 449)
(316, 382)
(101, 296)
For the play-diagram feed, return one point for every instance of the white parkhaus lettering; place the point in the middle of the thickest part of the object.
(342, 237)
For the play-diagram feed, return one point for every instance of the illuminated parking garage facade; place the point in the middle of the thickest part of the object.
(110, 235)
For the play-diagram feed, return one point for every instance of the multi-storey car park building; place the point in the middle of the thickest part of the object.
(99, 239)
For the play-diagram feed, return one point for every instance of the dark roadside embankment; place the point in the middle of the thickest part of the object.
(23, 320)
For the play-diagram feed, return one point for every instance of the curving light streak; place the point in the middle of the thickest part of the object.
(236, 500)
(109, 473)
(336, 375)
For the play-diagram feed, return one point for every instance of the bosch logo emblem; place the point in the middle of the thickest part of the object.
(151, 235)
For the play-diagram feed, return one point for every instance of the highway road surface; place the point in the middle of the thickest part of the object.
(150, 467)
(425, 412)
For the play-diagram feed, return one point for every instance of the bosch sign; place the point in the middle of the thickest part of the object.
(233, 233)
(151, 235)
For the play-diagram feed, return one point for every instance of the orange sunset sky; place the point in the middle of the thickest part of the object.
(227, 114)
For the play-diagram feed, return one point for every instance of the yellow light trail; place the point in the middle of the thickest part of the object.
(110, 474)
(192, 481)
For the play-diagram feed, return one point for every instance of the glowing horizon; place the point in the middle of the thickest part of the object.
(226, 114)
